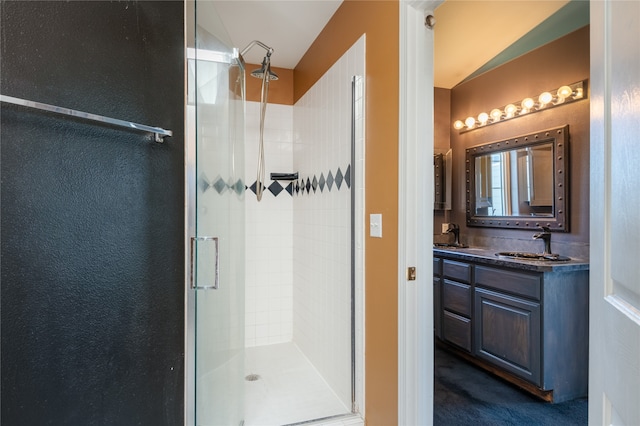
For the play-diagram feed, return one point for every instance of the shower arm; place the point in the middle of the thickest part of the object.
(259, 43)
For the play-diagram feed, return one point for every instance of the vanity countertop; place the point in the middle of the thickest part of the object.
(489, 257)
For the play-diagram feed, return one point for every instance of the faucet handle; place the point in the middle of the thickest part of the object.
(545, 236)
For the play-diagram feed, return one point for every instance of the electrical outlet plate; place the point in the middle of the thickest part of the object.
(445, 228)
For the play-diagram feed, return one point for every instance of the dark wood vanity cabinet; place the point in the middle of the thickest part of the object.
(527, 323)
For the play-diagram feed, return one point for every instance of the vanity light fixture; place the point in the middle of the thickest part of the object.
(553, 98)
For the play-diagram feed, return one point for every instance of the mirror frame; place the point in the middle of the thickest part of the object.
(442, 162)
(559, 222)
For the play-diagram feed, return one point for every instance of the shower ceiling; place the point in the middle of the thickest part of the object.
(289, 26)
(471, 36)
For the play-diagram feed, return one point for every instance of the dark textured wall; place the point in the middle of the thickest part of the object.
(560, 62)
(92, 296)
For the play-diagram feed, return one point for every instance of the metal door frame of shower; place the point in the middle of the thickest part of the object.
(357, 274)
(354, 82)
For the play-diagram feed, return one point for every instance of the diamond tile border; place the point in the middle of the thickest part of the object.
(220, 185)
(305, 185)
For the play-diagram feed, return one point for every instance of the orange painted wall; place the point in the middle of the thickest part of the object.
(280, 90)
(379, 20)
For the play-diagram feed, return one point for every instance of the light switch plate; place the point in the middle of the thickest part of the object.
(375, 225)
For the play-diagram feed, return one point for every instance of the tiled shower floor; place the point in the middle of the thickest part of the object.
(289, 389)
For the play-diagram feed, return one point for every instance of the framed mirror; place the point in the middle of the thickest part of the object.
(442, 161)
(521, 182)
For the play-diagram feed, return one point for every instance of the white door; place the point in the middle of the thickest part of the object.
(614, 370)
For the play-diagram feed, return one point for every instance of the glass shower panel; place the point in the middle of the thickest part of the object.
(216, 119)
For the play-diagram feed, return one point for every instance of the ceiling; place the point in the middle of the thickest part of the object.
(471, 36)
(287, 26)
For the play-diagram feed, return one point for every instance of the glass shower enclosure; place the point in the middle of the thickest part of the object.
(215, 356)
(215, 191)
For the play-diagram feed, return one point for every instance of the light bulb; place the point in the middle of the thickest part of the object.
(510, 110)
(545, 98)
(483, 117)
(527, 104)
(470, 122)
(458, 124)
(496, 114)
(564, 92)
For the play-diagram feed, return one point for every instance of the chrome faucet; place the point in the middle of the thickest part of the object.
(455, 230)
(545, 236)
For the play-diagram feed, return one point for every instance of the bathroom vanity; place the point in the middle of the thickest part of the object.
(525, 321)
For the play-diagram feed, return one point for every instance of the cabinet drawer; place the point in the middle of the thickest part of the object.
(456, 330)
(527, 285)
(437, 266)
(457, 271)
(456, 297)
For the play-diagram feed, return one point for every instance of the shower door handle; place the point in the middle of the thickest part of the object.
(199, 269)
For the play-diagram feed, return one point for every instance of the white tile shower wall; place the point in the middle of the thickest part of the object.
(269, 230)
(322, 222)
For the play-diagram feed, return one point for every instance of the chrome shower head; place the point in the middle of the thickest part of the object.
(266, 66)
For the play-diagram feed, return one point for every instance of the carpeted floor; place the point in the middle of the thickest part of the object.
(467, 395)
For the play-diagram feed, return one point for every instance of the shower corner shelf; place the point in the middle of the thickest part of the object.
(284, 176)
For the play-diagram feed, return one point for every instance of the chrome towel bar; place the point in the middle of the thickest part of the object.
(157, 131)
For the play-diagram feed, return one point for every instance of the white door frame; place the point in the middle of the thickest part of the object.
(415, 215)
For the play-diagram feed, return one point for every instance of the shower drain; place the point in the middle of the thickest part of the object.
(252, 377)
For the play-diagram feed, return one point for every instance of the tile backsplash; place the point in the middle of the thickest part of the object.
(269, 230)
(322, 218)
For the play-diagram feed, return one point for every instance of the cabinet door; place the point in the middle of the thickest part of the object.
(507, 333)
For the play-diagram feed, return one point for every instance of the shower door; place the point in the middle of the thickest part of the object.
(215, 163)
